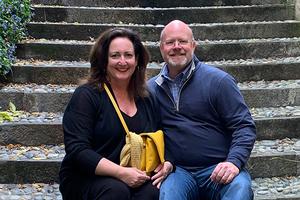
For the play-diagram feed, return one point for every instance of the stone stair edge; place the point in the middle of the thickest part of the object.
(163, 16)
(18, 152)
(280, 164)
(69, 88)
(46, 128)
(33, 97)
(60, 114)
(192, 25)
(206, 50)
(157, 65)
(48, 6)
(156, 42)
(71, 72)
(147, 3)
(202, 32)
(51, 191)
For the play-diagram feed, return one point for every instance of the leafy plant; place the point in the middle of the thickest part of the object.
(10, 113)
(14, 14)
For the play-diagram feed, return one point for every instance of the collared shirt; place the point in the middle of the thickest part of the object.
(176, 83)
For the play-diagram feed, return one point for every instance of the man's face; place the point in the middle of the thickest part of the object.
(177, 47)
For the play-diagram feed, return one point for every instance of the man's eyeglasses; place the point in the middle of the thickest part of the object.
(172, 43)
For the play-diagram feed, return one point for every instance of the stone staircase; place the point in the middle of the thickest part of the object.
(257, 41)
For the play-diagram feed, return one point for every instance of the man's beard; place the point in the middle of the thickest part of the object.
(182, 63)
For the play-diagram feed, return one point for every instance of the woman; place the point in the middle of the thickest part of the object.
(93, 133)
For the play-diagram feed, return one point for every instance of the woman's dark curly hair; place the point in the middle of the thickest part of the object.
(99, 60)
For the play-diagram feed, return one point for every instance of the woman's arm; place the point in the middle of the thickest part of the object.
(129, 175)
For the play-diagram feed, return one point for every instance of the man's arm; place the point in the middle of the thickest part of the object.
(237, 119)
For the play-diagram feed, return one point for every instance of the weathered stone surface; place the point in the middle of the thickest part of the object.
(278, 128)
(14, 97)
(257, 72)
(56, 102)
(36, 102)
(163, 16)
(230, 31)
(51, 133)
(297, 9)
(159, 3)
(44, 51)
(274, 165)
(271, 98)
(63, 74)
(47, 74)
(205, 51)
(31, 133)
(29, 171)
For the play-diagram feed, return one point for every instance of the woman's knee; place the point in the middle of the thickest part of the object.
(146, 192)
(109, 188)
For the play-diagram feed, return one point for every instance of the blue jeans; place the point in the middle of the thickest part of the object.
(196, 185)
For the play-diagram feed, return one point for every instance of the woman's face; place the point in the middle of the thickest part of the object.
(121, 60)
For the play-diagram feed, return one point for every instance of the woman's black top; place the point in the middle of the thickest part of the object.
(92, 130)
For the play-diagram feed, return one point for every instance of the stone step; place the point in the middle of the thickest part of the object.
(34, 191)
(270, 158)
(215, 31)
(207, 50)
(33, 129)
(64, 72)
(49, 72)
(27, 164)
(279, 188)
(163, 15)
(53, 98)
(284, 188)
(158, 3)
(36, 98)
(39, 128)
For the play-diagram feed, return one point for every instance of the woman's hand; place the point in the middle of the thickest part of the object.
(129, 175)
(162, 171)
(133, 177)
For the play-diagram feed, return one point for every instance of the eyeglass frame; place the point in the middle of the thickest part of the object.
(180, 42)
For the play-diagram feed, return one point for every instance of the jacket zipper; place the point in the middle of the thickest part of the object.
(177, 106)
(172, 100)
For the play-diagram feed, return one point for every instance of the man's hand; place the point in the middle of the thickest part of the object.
(162, 171)
(224, 173)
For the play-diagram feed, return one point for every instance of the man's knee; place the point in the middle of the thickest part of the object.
(239, 188)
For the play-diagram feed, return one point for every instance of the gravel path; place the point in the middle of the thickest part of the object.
(257, 113)
(57, 152)
(27, 88)
(276, 187)
(156, 43)
(285, 60)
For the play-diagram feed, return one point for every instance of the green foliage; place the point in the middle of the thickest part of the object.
(10, 113)
(14, 14)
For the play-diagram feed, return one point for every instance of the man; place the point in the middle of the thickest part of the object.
(209, 131)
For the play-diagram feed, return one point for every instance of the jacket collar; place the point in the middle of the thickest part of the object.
(194, 64)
